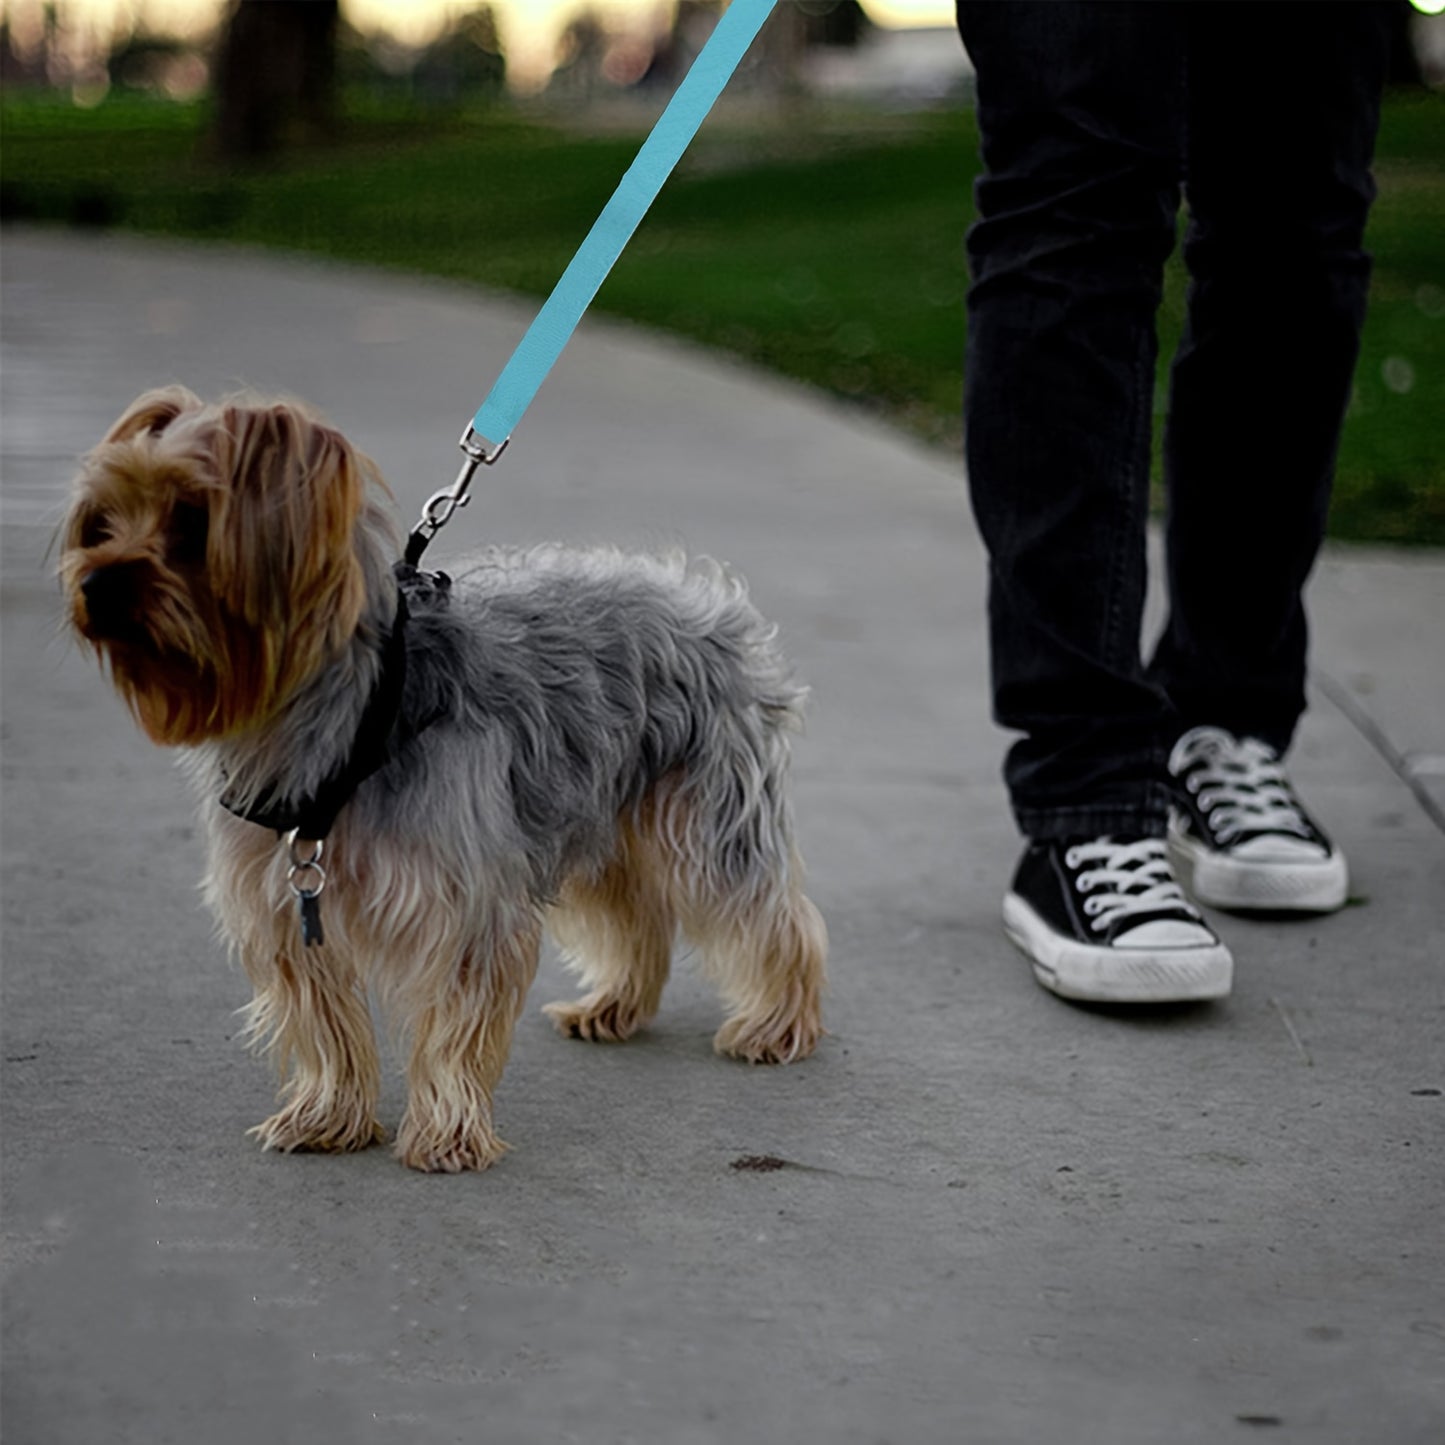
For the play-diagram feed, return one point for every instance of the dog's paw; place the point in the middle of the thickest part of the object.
(606, 1019)
(311, 1126)
(769, 1040)
(446, 1152)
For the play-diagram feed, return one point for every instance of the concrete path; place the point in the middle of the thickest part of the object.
(1001, 1218)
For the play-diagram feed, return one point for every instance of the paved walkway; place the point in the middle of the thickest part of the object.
(1002, 1218)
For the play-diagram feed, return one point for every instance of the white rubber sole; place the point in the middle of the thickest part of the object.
(1258, 885)
(1116, 975)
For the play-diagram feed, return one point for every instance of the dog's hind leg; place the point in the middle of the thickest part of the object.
(767, 954)
(459, 1010)
(739, 893)
(616, 932)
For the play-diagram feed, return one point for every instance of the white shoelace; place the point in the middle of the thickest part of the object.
(1125, 879)
(1238, 785)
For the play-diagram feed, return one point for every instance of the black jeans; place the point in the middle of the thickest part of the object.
(1093, 116)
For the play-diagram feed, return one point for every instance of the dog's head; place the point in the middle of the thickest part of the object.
(209, 556)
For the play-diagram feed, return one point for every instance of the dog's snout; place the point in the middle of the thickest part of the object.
(110, 598)
(102, 585)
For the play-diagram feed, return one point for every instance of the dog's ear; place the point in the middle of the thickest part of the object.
(153, 412)
(282, 553)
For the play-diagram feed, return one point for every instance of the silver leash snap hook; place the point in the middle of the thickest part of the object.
(440, 506)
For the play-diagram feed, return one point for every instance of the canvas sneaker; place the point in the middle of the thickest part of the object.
(1238, 834)
(1103, 920)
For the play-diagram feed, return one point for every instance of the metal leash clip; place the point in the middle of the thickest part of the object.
(441, 506)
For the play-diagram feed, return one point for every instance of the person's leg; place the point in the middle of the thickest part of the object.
(1080, 111)
(1283, 107)
(1281, 126)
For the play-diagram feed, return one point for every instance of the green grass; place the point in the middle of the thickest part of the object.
(827, 246)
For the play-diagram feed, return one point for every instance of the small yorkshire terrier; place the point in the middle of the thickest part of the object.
(402, 774)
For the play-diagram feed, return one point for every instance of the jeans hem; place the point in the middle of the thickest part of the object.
(1148, 818)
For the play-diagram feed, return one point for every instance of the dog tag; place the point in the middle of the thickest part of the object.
(312, 934)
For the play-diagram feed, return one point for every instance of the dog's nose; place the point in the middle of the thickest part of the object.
(110, 596)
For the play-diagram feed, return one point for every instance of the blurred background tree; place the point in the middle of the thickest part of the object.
(275, 75)
(465, 61)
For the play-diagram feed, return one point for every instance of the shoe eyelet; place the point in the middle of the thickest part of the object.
(1072, 859)
(1091, 906)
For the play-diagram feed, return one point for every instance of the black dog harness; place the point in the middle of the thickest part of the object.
(383, 732)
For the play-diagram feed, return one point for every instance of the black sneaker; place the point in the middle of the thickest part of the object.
(1102, 919)
(1240, 838)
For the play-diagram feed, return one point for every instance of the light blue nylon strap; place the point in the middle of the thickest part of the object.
(529, 364)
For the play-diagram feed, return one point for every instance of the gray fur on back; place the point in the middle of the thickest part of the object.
(568, 683)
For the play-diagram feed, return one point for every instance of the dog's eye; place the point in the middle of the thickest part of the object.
(94, 530)
(189, 526)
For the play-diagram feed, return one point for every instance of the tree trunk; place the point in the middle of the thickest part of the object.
(275, 76)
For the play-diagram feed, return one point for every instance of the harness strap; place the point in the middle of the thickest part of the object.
(312, 817)
(303, 824)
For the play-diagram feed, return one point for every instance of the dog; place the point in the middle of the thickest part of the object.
(403, 774)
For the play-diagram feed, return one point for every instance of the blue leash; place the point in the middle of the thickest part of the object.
(526, 370)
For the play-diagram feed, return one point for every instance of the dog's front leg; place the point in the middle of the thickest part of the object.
(462, 1006)
(310, 1012)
